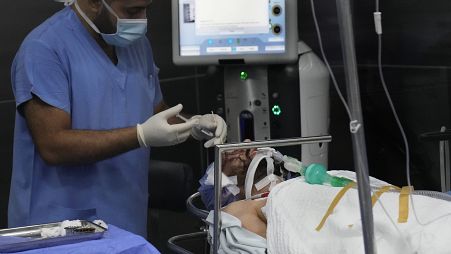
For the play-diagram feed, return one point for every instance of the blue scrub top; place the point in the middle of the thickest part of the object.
(62, 64)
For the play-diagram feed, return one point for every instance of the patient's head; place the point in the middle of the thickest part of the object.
(236, 163)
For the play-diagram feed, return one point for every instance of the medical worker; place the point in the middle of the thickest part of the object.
(89, 106)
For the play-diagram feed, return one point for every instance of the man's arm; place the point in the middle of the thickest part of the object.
(58, 144)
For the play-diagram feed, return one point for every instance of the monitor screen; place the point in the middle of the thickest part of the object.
(234, 31)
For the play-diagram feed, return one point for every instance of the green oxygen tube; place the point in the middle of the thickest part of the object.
(314, 173)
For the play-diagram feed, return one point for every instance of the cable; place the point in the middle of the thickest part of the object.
(378, 26)
(348, 110)
(392, 107)
(405, 241)
(398, 122)
(395, 114)
(334, 81)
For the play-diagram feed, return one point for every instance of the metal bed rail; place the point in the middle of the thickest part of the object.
(200, 213)
(191, 236)
(175, 243)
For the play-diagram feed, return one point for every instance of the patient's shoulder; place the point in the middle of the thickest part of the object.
(244, 207)
(247, 211)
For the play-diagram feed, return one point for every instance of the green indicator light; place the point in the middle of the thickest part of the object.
(276, 110)
(243, 75)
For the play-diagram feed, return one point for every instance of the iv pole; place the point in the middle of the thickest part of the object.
(357, 132)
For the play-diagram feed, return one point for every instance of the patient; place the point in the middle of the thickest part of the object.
(234, 163)
(234, 169)
(249, 211)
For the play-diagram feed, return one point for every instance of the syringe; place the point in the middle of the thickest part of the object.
(182, 117)
(206, 132)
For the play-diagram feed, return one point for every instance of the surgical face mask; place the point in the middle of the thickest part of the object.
(127, 30)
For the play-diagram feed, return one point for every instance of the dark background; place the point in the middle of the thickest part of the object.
(416, 62)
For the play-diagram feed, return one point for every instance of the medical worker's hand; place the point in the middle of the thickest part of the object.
(209, 123)
(156, 131)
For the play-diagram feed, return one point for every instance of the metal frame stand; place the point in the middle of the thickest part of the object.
(358, 134)
(247, 96)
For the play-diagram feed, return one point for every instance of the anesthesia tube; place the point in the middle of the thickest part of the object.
(314, 173)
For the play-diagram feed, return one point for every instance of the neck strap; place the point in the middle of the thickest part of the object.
(90, 23)
(250, 174)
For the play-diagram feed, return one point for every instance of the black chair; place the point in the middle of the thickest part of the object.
(170, 184)
(442, 137)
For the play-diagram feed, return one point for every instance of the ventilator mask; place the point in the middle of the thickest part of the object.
(127, 30)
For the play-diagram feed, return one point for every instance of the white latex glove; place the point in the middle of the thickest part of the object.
(209, 123)
(156, 131)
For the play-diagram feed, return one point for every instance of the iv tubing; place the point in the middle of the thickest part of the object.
(432, 194)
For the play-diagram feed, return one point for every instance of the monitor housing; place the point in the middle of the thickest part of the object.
(234, 31)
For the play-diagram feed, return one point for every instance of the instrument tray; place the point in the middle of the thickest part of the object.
(29, 237)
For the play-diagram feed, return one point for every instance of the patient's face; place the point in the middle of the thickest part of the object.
(236, 162)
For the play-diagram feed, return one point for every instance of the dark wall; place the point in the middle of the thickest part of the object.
(416, 60)
(16, 21)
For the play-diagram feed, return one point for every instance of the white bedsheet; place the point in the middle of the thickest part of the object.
(295, 209)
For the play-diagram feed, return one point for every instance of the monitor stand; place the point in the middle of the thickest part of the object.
(248, 110)
(246, 102)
